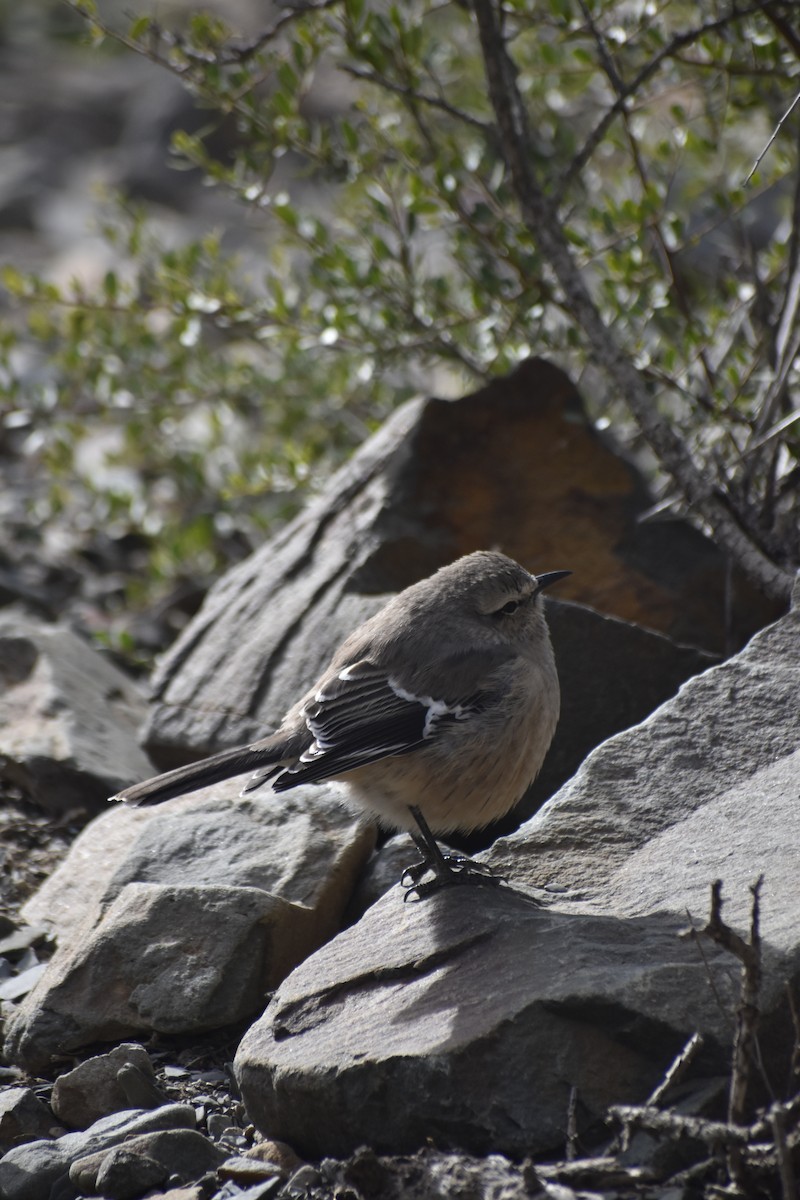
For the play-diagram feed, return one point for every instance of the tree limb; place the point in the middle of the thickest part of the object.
(540, 217)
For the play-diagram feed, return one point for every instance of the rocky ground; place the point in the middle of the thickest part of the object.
(225, 999)
(557, 1035)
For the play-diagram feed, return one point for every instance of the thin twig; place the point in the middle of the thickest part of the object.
(666, 256)
(650, 68)
(238, 52)
(606, 57)
(655, 1120)
(572, 1124)
(595, 1172)
(677, 1070)
(775, 133)
(541, 220)
(749, 955)
(410, 93)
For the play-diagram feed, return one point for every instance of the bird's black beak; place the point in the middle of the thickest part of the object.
(543, 581)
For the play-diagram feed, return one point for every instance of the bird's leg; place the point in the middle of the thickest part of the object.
(448, 869)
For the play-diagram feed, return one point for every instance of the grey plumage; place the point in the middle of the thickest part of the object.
(435, 714)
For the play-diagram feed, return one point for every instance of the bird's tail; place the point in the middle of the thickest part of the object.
(208, 770)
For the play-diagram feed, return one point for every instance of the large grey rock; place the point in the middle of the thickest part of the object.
(68, 717)
(29, 1172)
(514, 466)
(169, 959)
(468, 1016)
(180, 917)
(305, 848)
(715, 766)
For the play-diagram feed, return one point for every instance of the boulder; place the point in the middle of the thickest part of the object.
(68, 717)
(466, 1018)
(193, 911)
(304, 847)
(515, 466)
(719, 760)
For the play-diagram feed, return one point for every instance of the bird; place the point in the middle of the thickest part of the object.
(435, 715)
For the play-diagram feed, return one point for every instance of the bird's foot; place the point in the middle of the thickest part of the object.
(453, 870)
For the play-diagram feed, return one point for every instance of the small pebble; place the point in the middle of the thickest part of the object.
(304, 1178)
(217, 1124)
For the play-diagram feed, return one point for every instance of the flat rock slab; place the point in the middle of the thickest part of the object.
(467, 1017)
(719, 759)
(68, 717)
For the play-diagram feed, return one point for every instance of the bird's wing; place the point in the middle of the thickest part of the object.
(362, 714)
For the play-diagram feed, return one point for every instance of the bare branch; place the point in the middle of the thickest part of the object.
(774, 134)
(410, 93)
(677, 1070)
(654, 1120)
(672, 48)
(572, 1125)
(777, 1117)
(239, 52)
(744, 1042)
(541, 220)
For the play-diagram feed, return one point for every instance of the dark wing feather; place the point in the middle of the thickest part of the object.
(363, 715)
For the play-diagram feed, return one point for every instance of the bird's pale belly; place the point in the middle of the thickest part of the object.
(451, 796)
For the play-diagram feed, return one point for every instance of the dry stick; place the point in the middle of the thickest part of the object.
(749, 955)
(541, 219)
(594, 1172)
(794, 1064)
(655, 1120)
(734, 1135)
(678, 1068)
(702, 1129)
(775, 133)
(572, 1124)
(777, 1118)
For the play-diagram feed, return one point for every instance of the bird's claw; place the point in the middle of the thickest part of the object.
(414, 873)
(459, 870)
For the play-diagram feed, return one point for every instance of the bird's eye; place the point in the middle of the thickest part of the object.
(510, 607)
